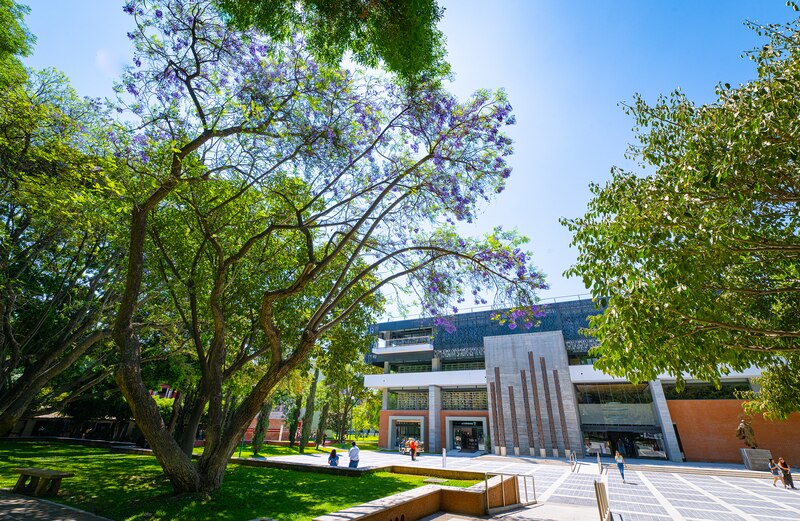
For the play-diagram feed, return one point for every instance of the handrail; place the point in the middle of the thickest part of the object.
(603, 507)
(510, 503)
(573, 462)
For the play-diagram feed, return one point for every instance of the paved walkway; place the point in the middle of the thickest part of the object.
(669, 492)
(14, 507)
(674, 491)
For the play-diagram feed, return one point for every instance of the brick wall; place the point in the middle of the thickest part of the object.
(383, 430)
(707, 430)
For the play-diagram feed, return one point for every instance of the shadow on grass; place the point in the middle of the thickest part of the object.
(124, 486)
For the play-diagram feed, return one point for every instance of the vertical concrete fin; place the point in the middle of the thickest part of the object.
(536, 406)
(496, 433)
(527, 406)
(513, 407)
(500, 412)
(549, 404)
(561, 411)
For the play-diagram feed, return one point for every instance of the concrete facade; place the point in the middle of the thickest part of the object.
(536, 393)
(536, 358)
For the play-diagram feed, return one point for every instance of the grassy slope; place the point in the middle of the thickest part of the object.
(123, 486)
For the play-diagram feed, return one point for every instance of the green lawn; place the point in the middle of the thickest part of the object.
(124, 486)
(267, 451)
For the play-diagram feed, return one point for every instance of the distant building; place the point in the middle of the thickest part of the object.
(486, 387)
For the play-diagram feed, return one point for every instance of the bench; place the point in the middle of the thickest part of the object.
(43, 482)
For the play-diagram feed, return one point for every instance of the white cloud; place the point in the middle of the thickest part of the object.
(105, 61)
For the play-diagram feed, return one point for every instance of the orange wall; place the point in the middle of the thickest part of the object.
(443, 422)
(383, 430)
(707, 429)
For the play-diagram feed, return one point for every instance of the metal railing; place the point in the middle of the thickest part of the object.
(408, 341)
(573, 462)
(525, 493)
(486, 307)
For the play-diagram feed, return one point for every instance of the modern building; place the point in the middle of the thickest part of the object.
(489, 388)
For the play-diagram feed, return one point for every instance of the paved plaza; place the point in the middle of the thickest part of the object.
(679, 492)
(652, 493)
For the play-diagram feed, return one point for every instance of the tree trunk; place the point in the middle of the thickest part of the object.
(192, 416)
(308, 417)
(176, 412)
(262, 427)
(323, 421)
(295, 420)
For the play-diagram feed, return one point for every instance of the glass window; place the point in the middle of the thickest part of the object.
(408, 400)
(706, 391)
(464, 400)
(463, 366)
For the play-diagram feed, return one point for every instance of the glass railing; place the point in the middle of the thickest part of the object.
(408, 341)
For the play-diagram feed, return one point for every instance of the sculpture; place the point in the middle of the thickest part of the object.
(745, 433)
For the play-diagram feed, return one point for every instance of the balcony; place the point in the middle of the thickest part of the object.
(413, 344)
(474, 378)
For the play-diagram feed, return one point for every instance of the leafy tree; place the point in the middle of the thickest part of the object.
(59, 248)
(15, 41)
(697, 260)
(367, 413)
(291, 193)
(401, 34)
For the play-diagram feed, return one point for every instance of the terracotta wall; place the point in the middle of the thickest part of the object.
(707, 429)
(443, 422)
(383, 430)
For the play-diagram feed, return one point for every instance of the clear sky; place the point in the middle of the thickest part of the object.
(565, 64)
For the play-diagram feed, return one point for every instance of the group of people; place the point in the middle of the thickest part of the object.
(781, 471)
(353, 454)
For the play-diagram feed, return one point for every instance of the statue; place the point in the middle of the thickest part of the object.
(745, 433)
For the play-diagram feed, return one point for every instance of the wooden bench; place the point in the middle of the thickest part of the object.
(43, 482)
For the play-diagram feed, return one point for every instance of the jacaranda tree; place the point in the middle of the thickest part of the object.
(698, 260)
(305, 191)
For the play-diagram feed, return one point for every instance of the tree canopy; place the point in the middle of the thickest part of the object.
(15, 41)
(698, 259)
(399, 34)
(273, 198)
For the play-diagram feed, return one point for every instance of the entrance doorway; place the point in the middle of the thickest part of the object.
(406, 429)
(629, 444)
(468, 436)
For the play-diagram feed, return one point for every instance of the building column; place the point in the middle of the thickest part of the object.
(434, 408)
(385, 399)
(436, 364)
(385, 367)
(664, 418)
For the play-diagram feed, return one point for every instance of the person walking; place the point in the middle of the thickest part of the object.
(620, 465)
(412, 445)
(333, 459)
(787, 473)
(353, 455)
(775, 470)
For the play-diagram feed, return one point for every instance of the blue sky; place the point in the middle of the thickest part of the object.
(565, 64)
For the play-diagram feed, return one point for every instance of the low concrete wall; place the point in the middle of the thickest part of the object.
(72, 441)
(436, 473)
(424, 501)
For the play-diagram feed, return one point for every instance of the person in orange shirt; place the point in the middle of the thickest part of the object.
(413, 446)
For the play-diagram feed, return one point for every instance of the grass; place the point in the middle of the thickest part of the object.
(132, 487)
